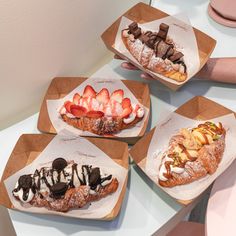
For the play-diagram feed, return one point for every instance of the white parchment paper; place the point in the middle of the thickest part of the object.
(73, 147)
(180, 31)
(159, 144)
(97, 83)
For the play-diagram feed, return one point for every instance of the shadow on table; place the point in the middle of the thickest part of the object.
(69, 226)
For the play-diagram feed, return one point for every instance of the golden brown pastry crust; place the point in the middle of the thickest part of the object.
(75, 197)
(209, 157)
(100, 126)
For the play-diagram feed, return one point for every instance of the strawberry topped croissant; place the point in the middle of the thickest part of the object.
(101, 112)
(192, 154)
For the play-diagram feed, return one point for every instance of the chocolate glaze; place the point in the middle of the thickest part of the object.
(59, 178)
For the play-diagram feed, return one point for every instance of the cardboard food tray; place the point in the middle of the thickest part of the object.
(143, 13)
(61, 86)
(29, 146)
(198, 108)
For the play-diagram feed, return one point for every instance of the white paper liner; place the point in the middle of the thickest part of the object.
(73, 147)
(159, 144)
(111, 83)
(180, 31)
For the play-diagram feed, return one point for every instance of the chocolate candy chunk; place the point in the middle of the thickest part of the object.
(59, 189)
(25, 182)
(162, 49)
(59, 164)
(94, 177)
(137, 33)
(133, 26)
(170, 52)
(164, 27)
(148, 33)
(144, 38)
(176, 56)
(150, 43)
(162, 34)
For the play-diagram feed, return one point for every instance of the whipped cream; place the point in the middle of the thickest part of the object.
(162, 171)
(140, 112)
(130, 118)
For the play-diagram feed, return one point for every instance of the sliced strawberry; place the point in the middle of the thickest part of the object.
(83, 102)
(126, 112)
(95, 114)
(76, 99)
(103, 96)
(117, 95)
(108, 110)
(89, 92)
(78, 111)
(126, 103)
(94, 105)
(68, 105)
(116, 108)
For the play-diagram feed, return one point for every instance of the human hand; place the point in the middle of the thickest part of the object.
(129, 66)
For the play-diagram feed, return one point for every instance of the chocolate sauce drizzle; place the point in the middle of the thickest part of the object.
(59, 178)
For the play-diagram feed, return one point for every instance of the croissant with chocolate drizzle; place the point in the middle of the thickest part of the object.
(192, 154)
(64, 186)
(155, 51)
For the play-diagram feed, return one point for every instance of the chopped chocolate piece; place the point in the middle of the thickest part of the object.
(59, 189)
(150, 43)
(176, 56)
(133, 26)
(170, 48)
(170, 52)
(59, 164)
(94, 177)
(162, 49)
(164, 27)
(137, 33)
(144, 38)
(162, 34)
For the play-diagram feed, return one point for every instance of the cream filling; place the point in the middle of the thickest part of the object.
(20, 193)
(130, 118)
(140, 112)
(162, 171)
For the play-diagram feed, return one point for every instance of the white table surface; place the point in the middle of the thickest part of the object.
(146, 209)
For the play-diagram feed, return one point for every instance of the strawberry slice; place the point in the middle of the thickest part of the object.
(126, 112)
(89, 92)
(126, 103)
(76, 99)
(95, 114)
(103, 96)
(117, 95)
(78, 111)
(68, 105)
(83, 102)
(116, 108)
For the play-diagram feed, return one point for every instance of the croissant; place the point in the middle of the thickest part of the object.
(101, 113)
(192, 154)
(64, 186)
(155, 51)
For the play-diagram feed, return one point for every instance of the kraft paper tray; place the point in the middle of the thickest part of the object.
(198, 108)
(143, 13)
(29, 146)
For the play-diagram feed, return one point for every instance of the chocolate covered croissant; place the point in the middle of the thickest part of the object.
(64, 186)
(192, 154)
(155, 51)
